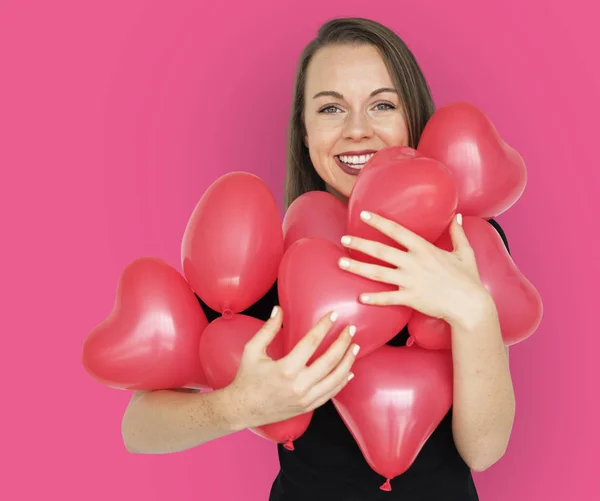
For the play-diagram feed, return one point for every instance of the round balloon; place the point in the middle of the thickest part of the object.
(233, 243)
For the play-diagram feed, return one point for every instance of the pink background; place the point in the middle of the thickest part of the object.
(115, 116)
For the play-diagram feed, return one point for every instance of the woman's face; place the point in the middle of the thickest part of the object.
(351, 111)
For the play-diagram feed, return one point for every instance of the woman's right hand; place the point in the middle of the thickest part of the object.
(267, 391)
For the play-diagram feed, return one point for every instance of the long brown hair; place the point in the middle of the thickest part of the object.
(406, 75)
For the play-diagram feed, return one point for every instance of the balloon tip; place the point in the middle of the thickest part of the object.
(289, 445)
(387, 486)
(410, 341)
(227, 313)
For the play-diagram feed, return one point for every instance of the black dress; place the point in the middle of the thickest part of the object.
(327, 464)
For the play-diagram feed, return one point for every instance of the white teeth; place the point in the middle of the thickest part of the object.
(355, 159)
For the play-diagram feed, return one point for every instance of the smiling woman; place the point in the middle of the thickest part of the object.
(358, 90)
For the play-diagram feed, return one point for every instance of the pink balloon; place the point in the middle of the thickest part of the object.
(233, 243)
(518, 302)
(315, 214)
(221, 351)
(311, 284)
(491, 175)
(150, 339)
(396, 401)
(417, 192)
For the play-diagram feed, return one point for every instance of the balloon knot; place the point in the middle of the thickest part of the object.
(410, 341)
(227, 313)
(387, 486)
(289, 444)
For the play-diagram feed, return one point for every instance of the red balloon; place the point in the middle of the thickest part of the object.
(150, 339)
(417, 192)
(397, 399)
(221, 351)
(315, 214)
(233, 243)
(518, 302)
(491, 175)
(428, 332)
(311, 284)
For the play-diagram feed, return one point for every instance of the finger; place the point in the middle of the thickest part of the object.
(336, 377)
(372, 271)
(395, 231)
(297, 359)
(266, 334)
(326, 362)
(460, 242)
(377, 250)
(389, 298)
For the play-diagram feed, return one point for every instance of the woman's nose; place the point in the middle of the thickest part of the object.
(357, 126)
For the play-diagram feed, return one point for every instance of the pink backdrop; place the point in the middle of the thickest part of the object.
(114, 118)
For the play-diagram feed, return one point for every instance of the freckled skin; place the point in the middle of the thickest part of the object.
(356, 122)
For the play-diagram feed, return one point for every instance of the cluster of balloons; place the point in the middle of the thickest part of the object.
(235, 247)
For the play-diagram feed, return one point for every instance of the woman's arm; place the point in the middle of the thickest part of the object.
(264, 391)
(158, 422)
(484, 400)
(447, 285)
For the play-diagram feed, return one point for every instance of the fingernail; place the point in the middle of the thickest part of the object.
(274, 312)
(352, 330)
(365, 216)
(333, 317)
(459, 219)
(344, 262)
(356, 349)
(346, 240)
(364, 298)
(350, 376)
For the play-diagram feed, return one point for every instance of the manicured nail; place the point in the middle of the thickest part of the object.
(365, 216)
(344, 262)
(355, 350)
(352, 330)
(350, 376)
(274, 312)
(346, 240)
(333, 317)
(459, 219)
(364, 298)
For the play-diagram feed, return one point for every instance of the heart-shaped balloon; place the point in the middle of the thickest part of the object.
(397, 399)
(417, 192)
(150, 339)
(518, 302)
(233, 243)
(311, 284)
(491, 175)
(221, 351)
(315, 214)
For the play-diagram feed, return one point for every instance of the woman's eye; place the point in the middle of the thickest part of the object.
(329, 109)
(387, 106)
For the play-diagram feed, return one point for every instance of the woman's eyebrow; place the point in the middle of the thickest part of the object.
(337, 95)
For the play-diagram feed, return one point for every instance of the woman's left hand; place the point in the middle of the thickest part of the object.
(431, 280)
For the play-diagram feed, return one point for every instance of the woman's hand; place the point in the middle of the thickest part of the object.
(431, 280)
(267, 391)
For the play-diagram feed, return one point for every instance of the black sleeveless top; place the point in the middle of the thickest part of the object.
(327, 464)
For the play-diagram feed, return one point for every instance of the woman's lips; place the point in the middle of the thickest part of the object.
(353, 171)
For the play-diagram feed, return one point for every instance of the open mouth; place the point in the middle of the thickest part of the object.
(353, 164)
